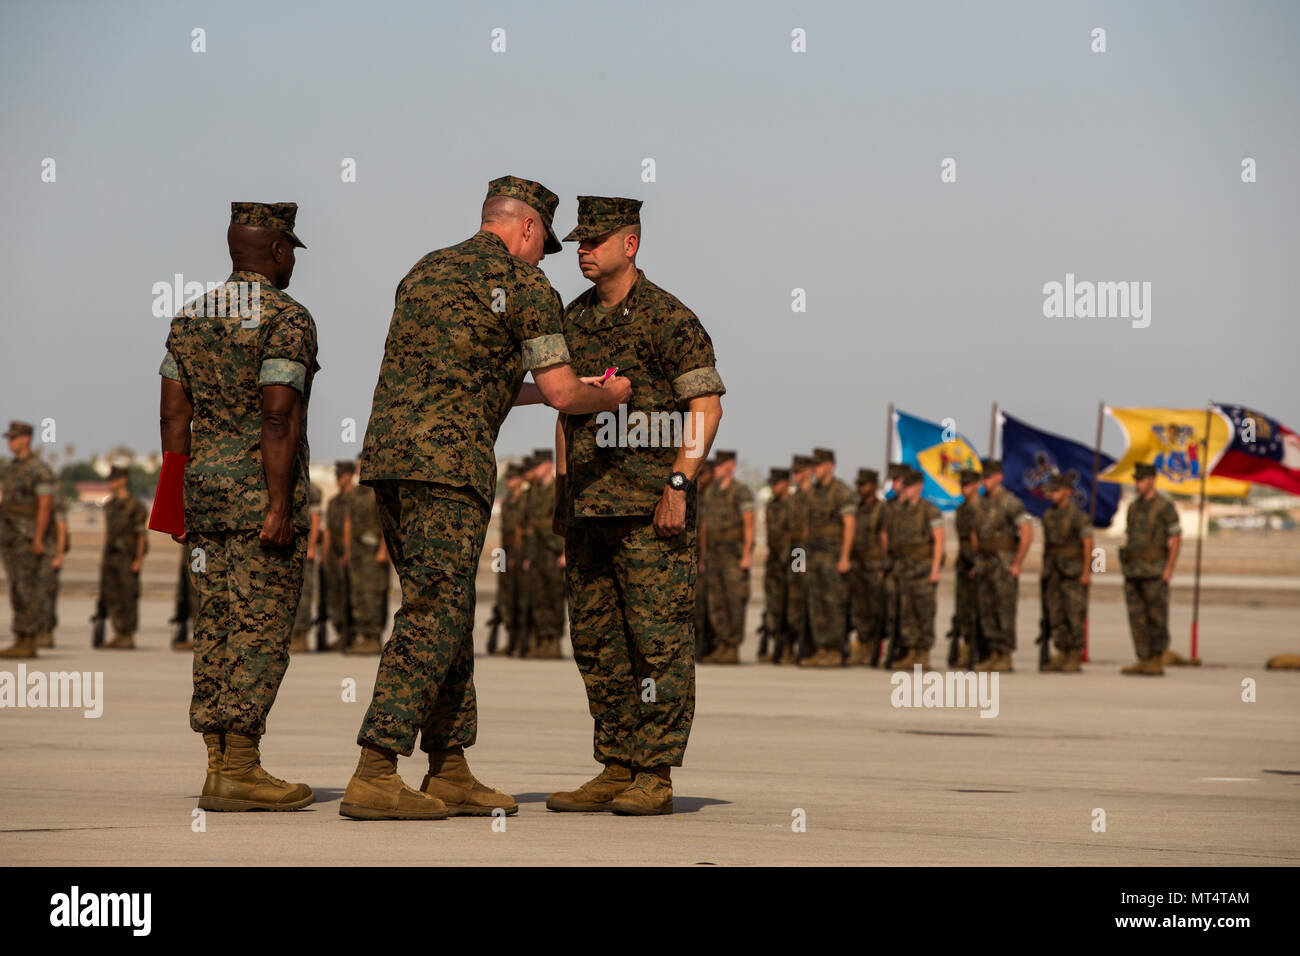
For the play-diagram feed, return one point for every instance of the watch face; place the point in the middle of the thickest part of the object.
(677, 481)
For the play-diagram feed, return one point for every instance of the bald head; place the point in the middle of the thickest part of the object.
(518, 224)
(261, 249)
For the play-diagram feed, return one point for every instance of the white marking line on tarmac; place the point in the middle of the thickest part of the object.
(1231, 779)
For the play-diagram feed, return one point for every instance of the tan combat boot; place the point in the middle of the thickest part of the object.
(905, 662)
(363, 646)
(651, 794)
(924, 660)
(216, 744)
(185, 645)
(376, 792)
(45, 639)
(788, 656)
(708, 658)
(22, 647)
(1057, 661)
(242, 784)
(767, 658)
(860, 654)
(298, 642)
(122, 642)
(1073, 663)
(993, 662)
(1284, 662)
(1153, 666)
(812, 660)
(1135, 668)
(450, 781)
(963, 657)
(597, 794)
(727, 655)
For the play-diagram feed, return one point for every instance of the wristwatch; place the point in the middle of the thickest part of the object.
(679, 482)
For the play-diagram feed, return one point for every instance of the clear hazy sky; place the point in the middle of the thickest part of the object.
(775, 171)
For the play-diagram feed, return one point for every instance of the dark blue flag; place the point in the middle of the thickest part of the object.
(1031, 456)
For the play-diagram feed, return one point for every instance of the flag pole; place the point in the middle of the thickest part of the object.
(1092, 521)
(993, 432)
(1200, 533)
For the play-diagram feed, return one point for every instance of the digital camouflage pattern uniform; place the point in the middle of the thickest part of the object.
(333, 568)
(798, 629)
(631, 592)
(545, 577)
(1149, 525)
(248, 595)
(509, 580)
(776, 581)
(728, 585)
(868, 563)
(367, 577)
(22, 484)
(1065, 599)
(911, 552)
(997, 527)
(307, 603)
(453, 365)
(964, 593)
(828, 590)
(125, 522)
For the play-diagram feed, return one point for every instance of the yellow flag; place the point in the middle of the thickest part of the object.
(1170, 439)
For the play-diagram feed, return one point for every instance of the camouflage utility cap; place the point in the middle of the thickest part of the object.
(268, 215)
(600, 215)
(968, 476)
(1143, 470)
(530, 194)
(775, 475)
(18, 428)
(868, 476)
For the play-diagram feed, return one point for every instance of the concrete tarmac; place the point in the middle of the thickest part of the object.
(1185, 771)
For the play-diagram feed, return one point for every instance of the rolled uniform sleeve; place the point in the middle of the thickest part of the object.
(290, 350)
(169, 368)
(746, 502)
(688, 357)
(536, 317)
(1016, 510)
(934, 514)
(1169, 519)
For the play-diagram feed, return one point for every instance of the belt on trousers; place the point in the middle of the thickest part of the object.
(1064, 550)
(1145, 554)
(18, 511)
(914, 551)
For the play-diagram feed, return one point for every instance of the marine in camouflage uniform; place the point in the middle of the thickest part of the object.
(367, 562)
(631, 574)
(237, 378)
(302, 622)
(1001, 537)
(867, 570)
(1067, 546)
(28, 538)
(508, 578)
(51, 571)
(727, 507)
(334, 565)
(798, 632)
(1154, 535)
(965, 629)
(915, 538)
(889, 584)
(468, 322)
(125, 542)
(776, 583)
(544, 553)
(832, 507)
